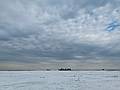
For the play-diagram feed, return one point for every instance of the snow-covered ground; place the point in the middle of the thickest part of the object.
(59, 80)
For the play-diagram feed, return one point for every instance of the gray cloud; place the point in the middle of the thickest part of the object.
(60, 30)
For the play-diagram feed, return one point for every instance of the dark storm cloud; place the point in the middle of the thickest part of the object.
(52, 29)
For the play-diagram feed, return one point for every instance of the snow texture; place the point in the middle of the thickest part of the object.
(59, 80)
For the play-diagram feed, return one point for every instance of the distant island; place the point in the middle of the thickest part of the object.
(64, 69)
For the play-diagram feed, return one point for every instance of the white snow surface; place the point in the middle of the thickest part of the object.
(59, 80)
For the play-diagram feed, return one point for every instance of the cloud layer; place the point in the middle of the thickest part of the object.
(59, 30)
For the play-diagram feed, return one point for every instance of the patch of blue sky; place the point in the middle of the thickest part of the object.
(112, 26)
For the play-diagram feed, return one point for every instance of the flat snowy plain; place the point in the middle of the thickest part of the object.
(59, 80)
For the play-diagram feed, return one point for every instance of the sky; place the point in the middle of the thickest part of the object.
(59, 30)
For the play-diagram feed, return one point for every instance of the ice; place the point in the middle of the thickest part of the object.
(59, 80)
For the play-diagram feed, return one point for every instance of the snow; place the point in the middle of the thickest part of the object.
(59, 80)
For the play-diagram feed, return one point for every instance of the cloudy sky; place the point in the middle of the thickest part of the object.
(59, 30)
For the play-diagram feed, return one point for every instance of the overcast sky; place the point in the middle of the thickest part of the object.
(38, 30)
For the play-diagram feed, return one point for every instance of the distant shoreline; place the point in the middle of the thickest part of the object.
(71, 70)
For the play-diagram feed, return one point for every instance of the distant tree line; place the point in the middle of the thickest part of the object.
(65, 69)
